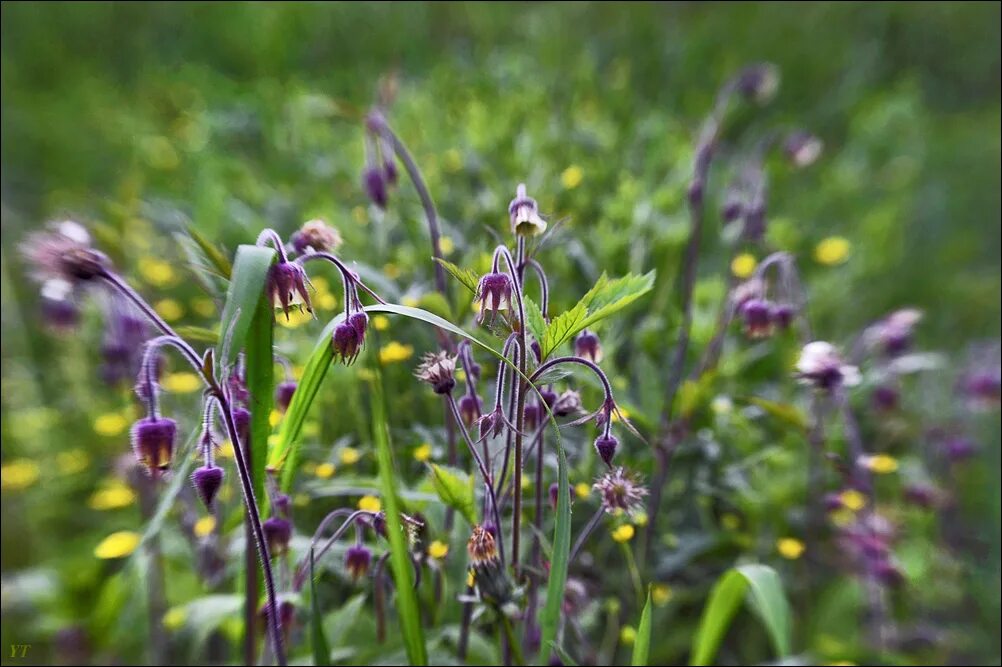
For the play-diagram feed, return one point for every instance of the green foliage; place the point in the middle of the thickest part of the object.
(455, 488)
(642, 644)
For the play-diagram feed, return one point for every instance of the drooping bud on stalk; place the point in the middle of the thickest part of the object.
(732, 209)
(531, 416)
(884, 398)
(346, 342)
(316, 236)
(821, 365)
(782, 315)
(568, 403)
(283, 394)
(64, 252)
(758, 83)
(278, 533)
(286, 616)
(554, 493)
(469, 409)
(438, 369)
(241, 420)
(207, 480)
(606, 446)
(494, 294)
(549, 396)
(757, 315)
(357, 560)
(376, 188)
(287, 287)
(360, 322)
(892, 335)
(803, 148)
(153, 443)
(587, 346)
(524, 214)
(390, 171)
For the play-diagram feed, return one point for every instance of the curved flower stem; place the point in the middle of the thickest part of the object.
(544, 285)
(510, 345)
(606, 385)
(270, 235)
(488, 482)
(585, 533)
(347, 275)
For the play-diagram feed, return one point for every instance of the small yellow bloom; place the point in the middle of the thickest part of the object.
(394, 352)
(182, 382)
(175, 618)
(391, 270)
(438, 549)
(350, 456)
(72, 462)
(582, 489)
(743, 265)
(296, 318)
(157, 272)
(225, 449)
(326, 301)
(852, 499)
(446, 245)
(325, 470)
(380, 323)
(169, 309)
(628, 635)
(204, 526)
(274, 418)
(112, 497)
(880, 464)
(730, 521)
(110, 424)
(410, 301)
(422, 452)
(203, 306)
(842, 517)
(18, 474)
(571, 177)
(832, 250)
(623, 533)
(453, 160)
(470, 579)
(117, 545)
(661, 594)
(311, 429)
(790, 548)
(369, 504)
(640, 519)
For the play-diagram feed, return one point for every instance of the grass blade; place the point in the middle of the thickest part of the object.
(725, 598)
(400, 563)
(642, 644)
(550, 619)
(247, 285)
(767, 600)
(260, 377)
(321, 650)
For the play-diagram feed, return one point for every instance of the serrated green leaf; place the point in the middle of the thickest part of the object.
(469, 279)
(534, 320)
(614, 295)
(562, 328)
(455, 488)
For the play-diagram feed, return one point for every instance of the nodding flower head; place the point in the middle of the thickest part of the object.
(481, 547)
(892, 335)
(469, 409)
(287, 287)
(531, 416)
(821, 366)
(357, 561)
(347, 343)
(587, 346)
(375, 185)
(759, 82)
(548, 396)
(568, 403)
(64, 252)
(803, 148)
(757, 316)
(753, 288)
(620, 491)
(554, 495)
(982, 388)
(782, 315)
(241, 421)
(59, 308)
(207, 480)
(732, 209)
(316, 236)
(390, 171)
(885, 398)
(606, 446)
(153, 443)
(278, 533)
(438, 369)
(283, 394)
(524, 214)
(360, 321)
(286, 616)
(494, 294)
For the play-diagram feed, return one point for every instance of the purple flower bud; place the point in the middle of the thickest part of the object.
(241, 420)
(238, 390)
(732, 209)
(346, 342)
(568, 403)
(531, 416)
(554, 491)
(494, 294)
(782, 315)
(360, 321)
(983, 389)
(757, 315)
(524, 214)
(606, 446)
(922, 495)
(283, 395)
(390, 171)
(587, 346)
(884, 398)
(469, 409)
(374, 183)
(153, 443)
(286, 616)
(357, 561)
(759, 82)
(316, 236)
(379, 524)
(803, 148)
(278, 533)
(207, 480)
(549, 396)
(283, 503)
(887, 573)
(958, 448)
(287, 287)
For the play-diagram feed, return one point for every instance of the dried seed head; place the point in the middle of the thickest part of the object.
(606, 446)
(357, 561)
(316, 236)
(283, 394)
(278, 533)
(568, 403)
(287, 287)
(438, 369)
(821, 365)
(587, 346)
(153, 443)
(481, 547)
(620, 492)
(207, 480)
(64, 252)
(524, 214)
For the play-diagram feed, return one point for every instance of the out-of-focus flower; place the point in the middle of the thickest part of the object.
(278, 533)
(790, 548)
(743, 265)
(369, 504)
(287, 287)
(117, 545)
(115, 495)
(758, 82)
(821, 365)
(568, 403)
(153, 443)
(893, 334)
(879, 464)
(394, 352)
(438, 370)
(283, 394)
(832, 250)
(18, 474)
(757, 316)
(207, 479)
(422, 452)
(438, 550)
(803, 148)
(623, 533)
(606, 446)
(316, 236)
(63, 252)
(357, 560)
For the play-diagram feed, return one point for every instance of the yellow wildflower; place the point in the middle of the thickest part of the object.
(790, 548)
(110, 424)
(394, 352)
(446, 245)
(175, 618)
(274, 418)
(582, 489)
(743, 265)
(852, 499)
(18, 474)
(380, 323)
(117, 545)
(114, 496)
(72, 462)
(628, 635)
(369, 504)
(181, 382)
(325, 470)
(169, 309)
(661, 594)
(832, 250)
(422, 452)
(623, 533)
(203, 306)
(880, 464)
(571, 177)
(438, 549)
(204, 526)
(350, 456)
(157, 272)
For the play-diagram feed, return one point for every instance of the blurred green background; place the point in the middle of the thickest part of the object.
(141, 118)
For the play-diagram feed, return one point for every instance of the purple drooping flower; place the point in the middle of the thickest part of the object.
(606, 446)
(494, 294)
(357, 560)
(207, 480)
(287, 287)
(375, 186)
(554, 493)
(283, 394)
(587, 346)
(278, 533)
(885, 398)
(803, 148)
(347, 343)
(153, 443)
(469, 409)
(757, 316)
(360, 321)
(524, 214)
(782, 315)
(241, 421)
(821, 365)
